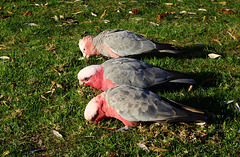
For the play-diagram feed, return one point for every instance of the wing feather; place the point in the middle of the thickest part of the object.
(136, 104)
(133, 72)
(124, 43)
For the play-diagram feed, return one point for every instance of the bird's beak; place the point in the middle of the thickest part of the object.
(81, 83)
(86, 56)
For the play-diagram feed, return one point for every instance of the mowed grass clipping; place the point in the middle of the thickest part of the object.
(39, 90)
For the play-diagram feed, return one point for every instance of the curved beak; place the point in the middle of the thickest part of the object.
(81, 83)
(86, 56)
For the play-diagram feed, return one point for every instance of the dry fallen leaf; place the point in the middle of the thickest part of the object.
(190, 88)
(191, 13)
(218, 42)
(113, 154)
(104, 13)
(154, 24)
(134, 11)
(200, 123)
(44, 97)
(143, 147)
(56, 133)
(6, 153)
(4, 57)
(77, 12)
(30, 24)
(201, 9)
(55, 70)
(237, 106)
(61, 17)
(213, 55)
(227, 102)
(93, 14)
(2, 7)
(223, 3)
(183, 12)
(204, 18)
(168, 4)
(27, 13)
(10, 12)
(156, 149)
(232, 36)
(105, 21)
(226, 11)
(160, 16)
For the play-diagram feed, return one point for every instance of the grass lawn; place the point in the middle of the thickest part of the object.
(39, 90)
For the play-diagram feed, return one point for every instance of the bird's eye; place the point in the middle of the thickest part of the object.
(84, 49)
(86, 78)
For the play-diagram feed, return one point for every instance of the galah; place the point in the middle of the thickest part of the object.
(118, 43)
(119, 71)
(131, 105)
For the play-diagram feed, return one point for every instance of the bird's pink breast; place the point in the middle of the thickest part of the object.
(98, 81)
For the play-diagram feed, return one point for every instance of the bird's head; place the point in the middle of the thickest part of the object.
(86, 46)
(91, 110)
(86, 74)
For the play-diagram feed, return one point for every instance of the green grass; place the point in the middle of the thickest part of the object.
(38, 54)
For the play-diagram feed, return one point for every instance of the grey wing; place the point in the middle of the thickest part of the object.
(136, 104)
(133, 72)
(124, 43)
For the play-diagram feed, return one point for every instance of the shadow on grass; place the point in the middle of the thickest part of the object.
(188, 52)
(203, 80)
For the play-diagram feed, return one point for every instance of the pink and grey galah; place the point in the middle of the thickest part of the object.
(129, 71)
(132, 105)
(118, 43)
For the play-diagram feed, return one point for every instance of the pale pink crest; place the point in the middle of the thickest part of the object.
(86, 73)
(91, 110)
(86, 46)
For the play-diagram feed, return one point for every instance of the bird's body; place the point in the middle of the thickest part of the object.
(119, 71)
(118, 43)
(132, 105)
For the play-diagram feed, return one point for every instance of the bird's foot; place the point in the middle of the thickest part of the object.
(123, 129)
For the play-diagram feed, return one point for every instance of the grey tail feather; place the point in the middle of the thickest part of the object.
(193, 114)
(167, 48)
(177, 77)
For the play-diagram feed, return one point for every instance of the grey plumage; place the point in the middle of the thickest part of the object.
(136, 104)
(125, 43)
(140, 74)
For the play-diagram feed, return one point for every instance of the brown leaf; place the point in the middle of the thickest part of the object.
(169, 4)
(160, 16)
(204, 18)
(43, 97)
(219, 42)
(2, 7)
(113, 154)
(104, 13)
(77, 12)
(6, 153)
(227, 11)
(121, 3)
(58, 85)
(27, 13)
(134, 11)
(55, 70)
(190, 88)
(223, 3)
(10, 12)
(232, 36)
(156, 149)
